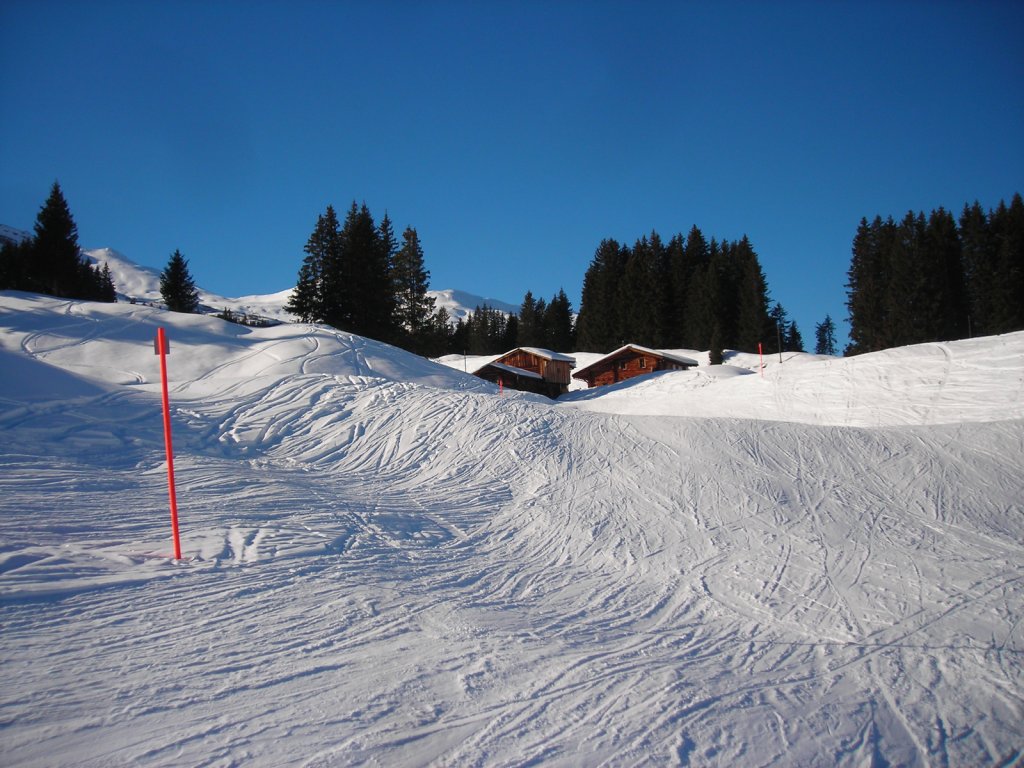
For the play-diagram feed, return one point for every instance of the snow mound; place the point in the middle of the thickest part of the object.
(976, 380)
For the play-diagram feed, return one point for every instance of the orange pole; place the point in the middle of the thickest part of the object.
(161, 343)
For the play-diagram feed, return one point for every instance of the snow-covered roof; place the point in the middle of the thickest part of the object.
(547, 354)
(670, 356)
(509, 369)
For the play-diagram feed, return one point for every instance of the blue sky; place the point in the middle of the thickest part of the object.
(512, 136)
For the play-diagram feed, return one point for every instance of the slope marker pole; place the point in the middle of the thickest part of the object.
(163, 349)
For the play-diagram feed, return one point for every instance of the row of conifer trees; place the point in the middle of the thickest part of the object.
(919, 279)
(926, 279)
(687, 293)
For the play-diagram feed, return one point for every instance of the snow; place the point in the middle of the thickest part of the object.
(389, 563)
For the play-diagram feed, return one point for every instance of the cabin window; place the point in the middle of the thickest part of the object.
(643, 362)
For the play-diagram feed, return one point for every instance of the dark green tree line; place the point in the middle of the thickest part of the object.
(688, 293)
(926, 279)
(51, 262)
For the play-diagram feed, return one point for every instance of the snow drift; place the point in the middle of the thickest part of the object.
(388, 563)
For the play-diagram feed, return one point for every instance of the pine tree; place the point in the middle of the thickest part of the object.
(439, 335)
(751, 297)
(775, 337)
(687, 259)
(636, 301)
(867, 281)
(530, 327)
(1007, 226)
(107, 289)
(558, 321)
(56, 266)
(945, 278)
(363, 278)
(177, 286)
(597, 326)
(319, 293)
(825, 337)
(14, 264)
(413, 307)
(794, 340)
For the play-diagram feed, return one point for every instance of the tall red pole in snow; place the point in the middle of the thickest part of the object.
(760, 356)
(162, 350)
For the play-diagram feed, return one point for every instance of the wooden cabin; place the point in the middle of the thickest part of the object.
(530, 369)
(630, 361)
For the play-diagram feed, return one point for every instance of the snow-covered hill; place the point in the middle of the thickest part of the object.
(387, 563)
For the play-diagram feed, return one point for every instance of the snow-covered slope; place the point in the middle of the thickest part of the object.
(387, 563)
(135, 282)
(972, 380)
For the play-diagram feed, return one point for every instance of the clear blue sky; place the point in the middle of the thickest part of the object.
(513, 136)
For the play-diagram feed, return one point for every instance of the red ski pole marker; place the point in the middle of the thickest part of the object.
(162, 348)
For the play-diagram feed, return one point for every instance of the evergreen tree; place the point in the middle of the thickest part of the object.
(945, 278)
(530, 326)
(363, 274)
(776, 336)
(558, 322)
(107, 290)
(1007, 295)
(438, 339)
(510, 334)
(413, 306)
(318, 292)
(177, 286)
(636, 302)
(867, 280)
(459, 339)
(597, 326)
(794, 340)
(825, 337)
(15, 259)
(979, 260)
(56, 265)
(687, 261)
(751, 297)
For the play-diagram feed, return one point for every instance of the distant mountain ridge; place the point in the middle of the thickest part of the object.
(135, 282)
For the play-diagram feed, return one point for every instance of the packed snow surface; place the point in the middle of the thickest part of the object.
(387, 563)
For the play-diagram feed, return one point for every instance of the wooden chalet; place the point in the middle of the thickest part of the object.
(530, 369)
(630, 361)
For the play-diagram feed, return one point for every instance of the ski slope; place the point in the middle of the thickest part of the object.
(387, 563)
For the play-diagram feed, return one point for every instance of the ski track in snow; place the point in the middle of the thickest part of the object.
(410, 570)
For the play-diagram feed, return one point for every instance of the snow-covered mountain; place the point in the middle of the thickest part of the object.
(386, 562)
(142, 284)
(461, 304)
(12, 235)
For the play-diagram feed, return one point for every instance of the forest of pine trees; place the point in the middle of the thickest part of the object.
(51, 262)
(687, 293)
(926, 279)
(357, 278)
